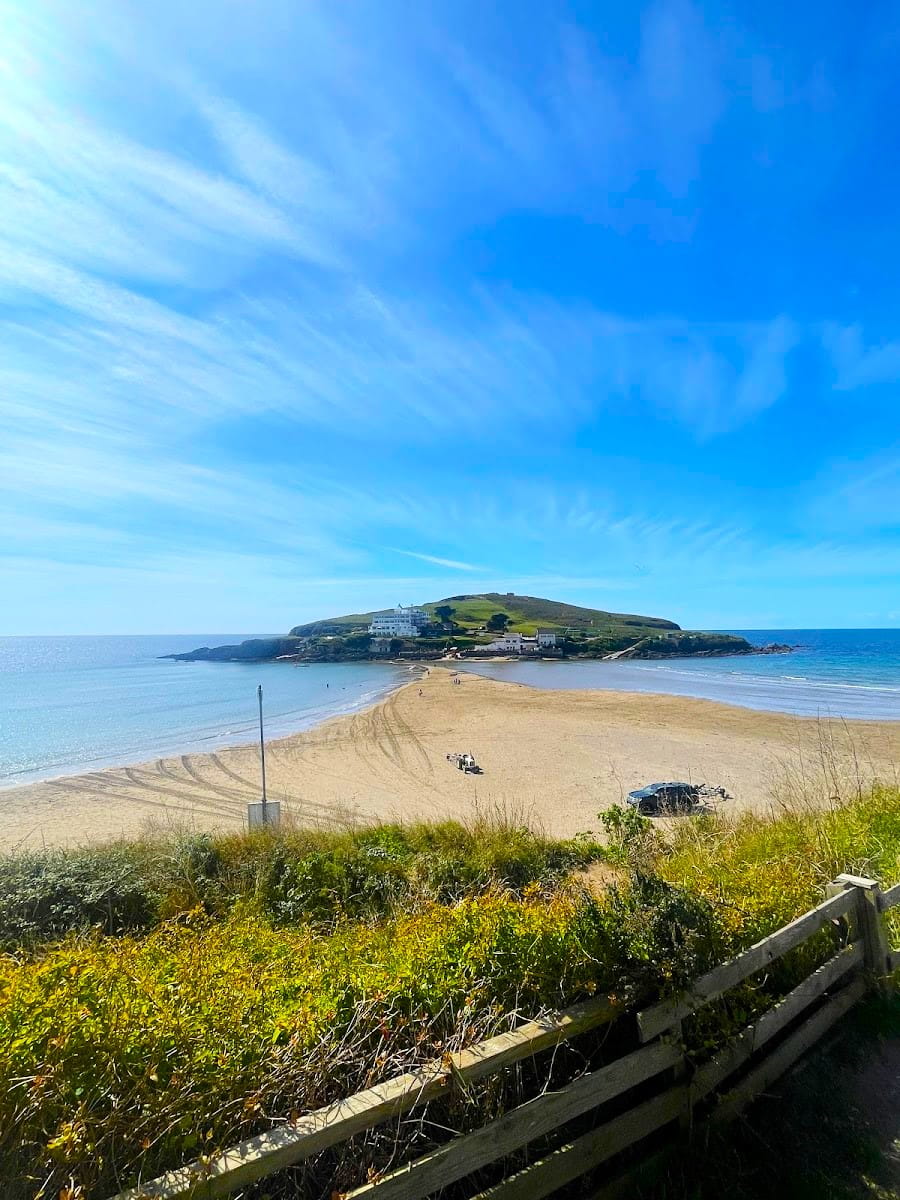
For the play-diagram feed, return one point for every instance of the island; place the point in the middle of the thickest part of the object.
(484, 625)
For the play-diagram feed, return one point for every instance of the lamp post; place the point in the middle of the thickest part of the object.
(262, 753)
(264, 813)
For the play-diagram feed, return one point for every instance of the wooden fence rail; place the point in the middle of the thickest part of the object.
(263, 1155)
(747, 1065)
(663, 1016)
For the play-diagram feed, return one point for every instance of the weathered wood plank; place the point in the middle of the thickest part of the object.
(488, 1057)
(846, 880)
(733, 1056)
(870, 926)
(774, 1066)
(267, 1153)
(640, 1178)
(651, 1166)
(664, 1015)
(522, 1125)
(591, 1150)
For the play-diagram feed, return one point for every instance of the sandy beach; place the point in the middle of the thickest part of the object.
(554, 758)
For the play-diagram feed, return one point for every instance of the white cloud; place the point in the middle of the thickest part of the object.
(194, 246)
(679, 88)
(97, 215)
(712, 376)
(102, 202)
(860, 497)
(453, 564)
(290, 180)
(857, 364)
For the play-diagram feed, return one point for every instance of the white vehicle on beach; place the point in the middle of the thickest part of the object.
(465, 762)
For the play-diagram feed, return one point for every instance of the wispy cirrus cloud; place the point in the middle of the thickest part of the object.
(299, 286)
(357, 361)
(111, 205)
(862, 496)
(127, 254)
(435, 561)
(859, 362)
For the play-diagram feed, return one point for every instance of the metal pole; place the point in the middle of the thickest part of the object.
(262, 753)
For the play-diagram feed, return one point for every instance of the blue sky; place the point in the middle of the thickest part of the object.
(309, 308)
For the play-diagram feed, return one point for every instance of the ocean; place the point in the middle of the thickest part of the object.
(852, 673)
(73, 704)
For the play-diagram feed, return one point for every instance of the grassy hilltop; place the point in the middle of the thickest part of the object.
(525, 613)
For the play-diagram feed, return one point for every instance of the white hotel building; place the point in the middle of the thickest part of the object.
(402, 622)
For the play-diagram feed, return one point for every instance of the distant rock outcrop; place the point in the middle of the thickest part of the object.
(255, 650)
(697, 645)
(688, 645)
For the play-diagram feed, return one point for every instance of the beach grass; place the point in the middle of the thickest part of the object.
(163, 998)
(294, 874)
(138, 1052)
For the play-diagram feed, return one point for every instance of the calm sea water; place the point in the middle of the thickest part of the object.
(852, 673)
(70, 704)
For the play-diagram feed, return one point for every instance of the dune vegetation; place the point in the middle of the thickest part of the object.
(163, 998)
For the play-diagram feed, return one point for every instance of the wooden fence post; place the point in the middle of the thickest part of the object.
(870, 927)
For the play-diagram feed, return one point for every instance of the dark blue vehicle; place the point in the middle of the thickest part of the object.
(672, 797)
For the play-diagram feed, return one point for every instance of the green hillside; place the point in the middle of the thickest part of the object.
(525, 613)
(466, 624)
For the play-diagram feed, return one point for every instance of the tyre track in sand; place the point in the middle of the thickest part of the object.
(252, 787)
(216, 759)
(410, 735)
(232, 793)
(364, 741)
(140, 780)
(188, 785)
(386, 732)
(306, 810)
(108, 792)
(382, 740)
(362, 731)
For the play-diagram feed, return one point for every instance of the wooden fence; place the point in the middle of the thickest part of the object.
(679, 1090)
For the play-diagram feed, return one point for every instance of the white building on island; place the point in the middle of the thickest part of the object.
(511, 643)
(516, 643)
(402, 623)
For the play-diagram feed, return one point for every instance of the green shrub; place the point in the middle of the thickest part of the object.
(332, 885)
(629, 836)
(663, 935)
(294, 875)
(140, 1052)
(45, 895)
(291, 968)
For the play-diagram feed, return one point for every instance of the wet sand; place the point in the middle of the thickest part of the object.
(553, 758)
